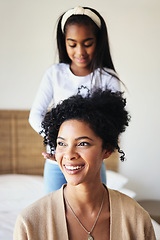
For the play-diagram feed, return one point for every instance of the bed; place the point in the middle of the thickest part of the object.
(21, 170)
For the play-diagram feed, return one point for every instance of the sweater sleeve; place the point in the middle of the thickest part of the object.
(42, 100)
(136, 219)
(20, 230)
(149, 233)
(128, 219)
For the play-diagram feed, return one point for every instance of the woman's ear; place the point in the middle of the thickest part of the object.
(107, 154)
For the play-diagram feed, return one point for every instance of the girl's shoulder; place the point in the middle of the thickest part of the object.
(56, 71)
(58, 67)
(107, 78)
(108, 72)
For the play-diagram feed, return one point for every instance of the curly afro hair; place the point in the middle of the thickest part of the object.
(104, 111)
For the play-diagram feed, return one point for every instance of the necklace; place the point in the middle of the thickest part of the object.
(89, 232)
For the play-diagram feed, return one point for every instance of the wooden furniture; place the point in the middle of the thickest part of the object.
(152, 207)
(21, 146)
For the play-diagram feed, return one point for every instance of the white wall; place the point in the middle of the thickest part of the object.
(27, 50)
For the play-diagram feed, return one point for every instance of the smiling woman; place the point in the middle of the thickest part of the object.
(82, 131)
(79, 153)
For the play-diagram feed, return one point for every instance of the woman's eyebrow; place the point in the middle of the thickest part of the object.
(85, 40)
(84, 137)
(60, 138)
(79, 138)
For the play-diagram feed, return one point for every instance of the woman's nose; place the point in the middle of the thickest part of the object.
(71, 154)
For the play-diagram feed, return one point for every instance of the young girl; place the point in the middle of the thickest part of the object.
(85, 63)
(84, 131)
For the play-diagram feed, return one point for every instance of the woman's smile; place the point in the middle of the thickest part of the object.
(79, 152)
(73, 169)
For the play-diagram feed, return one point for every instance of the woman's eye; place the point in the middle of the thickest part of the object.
(61, 144)
(83, 144)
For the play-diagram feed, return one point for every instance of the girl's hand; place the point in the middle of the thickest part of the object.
(48, 156)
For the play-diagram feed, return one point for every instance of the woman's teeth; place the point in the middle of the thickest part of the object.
(73, 167)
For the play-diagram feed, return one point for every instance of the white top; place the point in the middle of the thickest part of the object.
(59, 83)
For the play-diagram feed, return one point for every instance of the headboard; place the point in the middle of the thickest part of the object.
(21, 146)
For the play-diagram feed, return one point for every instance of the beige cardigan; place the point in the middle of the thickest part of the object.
(45, 219)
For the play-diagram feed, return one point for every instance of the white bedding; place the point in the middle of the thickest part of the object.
(16, 192)
(19, 191)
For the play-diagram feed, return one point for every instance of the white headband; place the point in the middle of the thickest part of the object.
(80, 11)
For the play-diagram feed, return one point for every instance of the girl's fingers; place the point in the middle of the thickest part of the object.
(48, 156)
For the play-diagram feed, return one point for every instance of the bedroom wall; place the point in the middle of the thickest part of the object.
(27, 50)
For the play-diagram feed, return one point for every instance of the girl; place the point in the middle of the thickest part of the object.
(85, 63)
(84, 131)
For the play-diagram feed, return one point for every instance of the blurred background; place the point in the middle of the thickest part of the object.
(28, 48)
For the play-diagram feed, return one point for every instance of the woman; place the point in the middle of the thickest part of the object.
(84, 131)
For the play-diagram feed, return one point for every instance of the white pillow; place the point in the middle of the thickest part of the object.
(18, 191)
(115, 180)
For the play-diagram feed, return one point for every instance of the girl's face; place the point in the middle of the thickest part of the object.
(80, 45)
(79, 152)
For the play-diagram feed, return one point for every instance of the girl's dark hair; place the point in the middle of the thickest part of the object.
(104, 111)
(102, 57)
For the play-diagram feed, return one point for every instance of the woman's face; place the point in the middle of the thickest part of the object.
(80, 45)
(79, 152)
